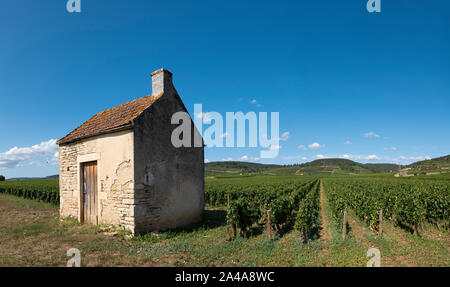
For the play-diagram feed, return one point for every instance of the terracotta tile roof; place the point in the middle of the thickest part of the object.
(110, 120)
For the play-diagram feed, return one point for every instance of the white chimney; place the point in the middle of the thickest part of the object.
(162, 82)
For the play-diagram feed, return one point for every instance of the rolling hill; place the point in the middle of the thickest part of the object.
(55, 176)
(320, 166)
(331, 166)
(443, 161)
(432, 165)
(339, 165)
(237, 167)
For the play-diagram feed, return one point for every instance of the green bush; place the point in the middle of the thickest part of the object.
(308, 218)
(243, 213)
(409, 201)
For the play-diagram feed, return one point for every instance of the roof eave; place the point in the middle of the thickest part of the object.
(113, 130)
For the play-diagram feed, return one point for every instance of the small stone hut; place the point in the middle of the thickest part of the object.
(120, 167)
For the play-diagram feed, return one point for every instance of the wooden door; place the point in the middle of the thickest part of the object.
(90, 192)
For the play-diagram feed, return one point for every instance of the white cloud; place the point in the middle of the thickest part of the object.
(352, 157)
(304, 158)
(206, 160)
(348, 142)
(54, 159)
(285, 136)
(372, 157)
(320, 156)
(359, 157)
(315, 146)
(31, 163)
(413, 158)
(274, 147)
(204, 116)
(16, 156)
(242, 158)
(302, 147)
(255, 102)
(371, 135)
(390, 148)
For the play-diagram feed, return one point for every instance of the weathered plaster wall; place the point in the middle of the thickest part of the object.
(169, 181)
(115, 162)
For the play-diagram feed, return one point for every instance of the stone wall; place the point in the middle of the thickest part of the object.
(114, 155)
(169, 181)
(68, 179)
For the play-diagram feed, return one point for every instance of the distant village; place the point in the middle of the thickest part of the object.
(408, 172)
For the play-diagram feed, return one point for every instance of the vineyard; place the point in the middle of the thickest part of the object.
(292, 205)
(406, 202)
(278, 203)
(292, 202)
(42, 190)
(258, 220)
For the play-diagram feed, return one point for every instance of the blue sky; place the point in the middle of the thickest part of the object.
(334, 72)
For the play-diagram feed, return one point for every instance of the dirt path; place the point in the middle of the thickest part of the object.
(390, 231)
(359, 232)
(431, 250)
(432, 233)
(324, 234)
(324, 231)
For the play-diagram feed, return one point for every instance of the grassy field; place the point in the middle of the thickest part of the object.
(31, 234)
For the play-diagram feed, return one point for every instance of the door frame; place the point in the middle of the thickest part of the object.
(80, 161)
(85, 196)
